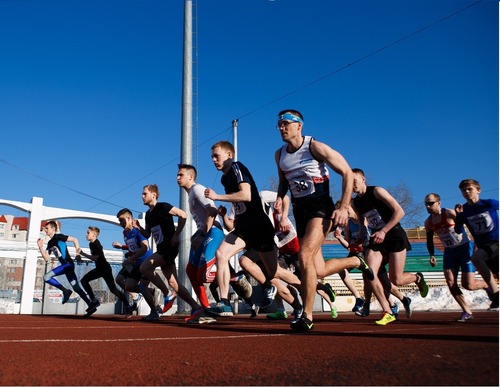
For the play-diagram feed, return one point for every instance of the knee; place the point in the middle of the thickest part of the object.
(455, 290)
(398, 281)
(47, 276)
(450, 283)
(220, 257)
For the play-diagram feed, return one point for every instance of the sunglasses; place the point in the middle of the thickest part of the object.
(430, 203)
(284, 124)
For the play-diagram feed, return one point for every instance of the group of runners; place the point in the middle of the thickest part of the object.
(368, 223)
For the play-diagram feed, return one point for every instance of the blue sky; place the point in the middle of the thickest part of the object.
(90, 94)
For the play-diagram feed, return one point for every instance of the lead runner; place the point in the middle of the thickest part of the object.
(302, 168)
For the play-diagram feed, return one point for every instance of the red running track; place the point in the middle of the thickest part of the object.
(428, 349)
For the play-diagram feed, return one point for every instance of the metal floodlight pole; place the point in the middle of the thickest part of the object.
(186, 143)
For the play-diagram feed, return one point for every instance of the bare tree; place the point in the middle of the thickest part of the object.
(413, 211)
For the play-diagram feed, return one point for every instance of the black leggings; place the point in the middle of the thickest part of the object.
(107, 274)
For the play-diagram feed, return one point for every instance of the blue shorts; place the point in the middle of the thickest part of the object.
(205, 253)
(458, 258)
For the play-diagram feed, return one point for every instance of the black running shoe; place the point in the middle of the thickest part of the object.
(90, 312)
(303, 324)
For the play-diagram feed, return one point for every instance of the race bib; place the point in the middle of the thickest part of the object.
(481, 223)
(302, 187)
(375, 221)
(157, 234)
(450, 239)
(132, 245)
(239, 208)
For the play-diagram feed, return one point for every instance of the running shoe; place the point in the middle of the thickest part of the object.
(159, 309)
(90, 312)
(334, 312)
(195, 313)
(169, 302)
(278, 315)
(202, 319)
(130, 309)
(270, 294)
(93, 304)
(364, 311)
(242, 287)
(330, 292)
(153, 316)
(303, 324)
(66, 295)
(236, 277)
(464, 317)
(365, 269)
(254, 311)
(296, 315)
(358, 305)
(407, 305)
(395, 310)
(494, 302)
(386, 319)
(220, 310)
(422, 285)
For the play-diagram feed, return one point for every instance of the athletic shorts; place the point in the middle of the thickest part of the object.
(491, 249)
(259, 237)
(395, 241)
(168, 253)
(130, 271)
(304, 211)
(206, 251)
(458, 258)
(136, 274)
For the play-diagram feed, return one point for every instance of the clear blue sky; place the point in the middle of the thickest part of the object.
(90, 94)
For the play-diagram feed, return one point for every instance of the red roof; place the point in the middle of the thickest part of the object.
(3, 219)
(22, 222)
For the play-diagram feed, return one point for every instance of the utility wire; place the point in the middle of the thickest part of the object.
(373, 53)
(306, 85)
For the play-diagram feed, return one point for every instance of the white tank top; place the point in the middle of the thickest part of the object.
(307, 177)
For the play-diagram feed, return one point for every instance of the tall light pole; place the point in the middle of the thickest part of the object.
(186, 142)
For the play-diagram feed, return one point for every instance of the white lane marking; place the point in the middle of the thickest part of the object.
(137, 339)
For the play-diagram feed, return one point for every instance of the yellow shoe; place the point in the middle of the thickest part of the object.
(386, 319)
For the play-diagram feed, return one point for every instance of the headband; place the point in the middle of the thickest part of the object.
(290, 117)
